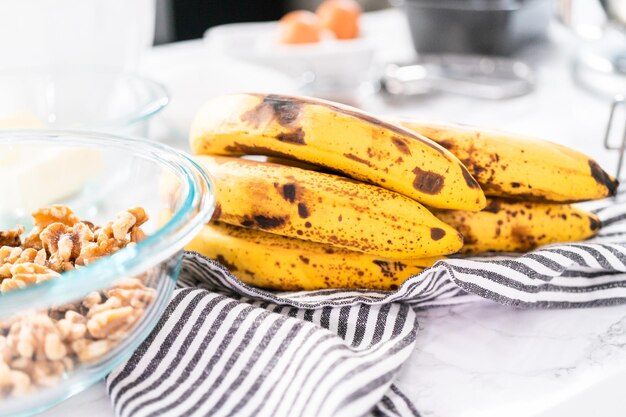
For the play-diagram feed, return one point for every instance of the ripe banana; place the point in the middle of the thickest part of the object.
(531, 169)
(337, 137)
(326, 208)
(277, 262)
(510, 226)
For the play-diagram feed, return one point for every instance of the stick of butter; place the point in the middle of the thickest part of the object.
(21, 121)
(36, 176)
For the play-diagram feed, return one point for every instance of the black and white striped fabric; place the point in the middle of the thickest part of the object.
(224, 348)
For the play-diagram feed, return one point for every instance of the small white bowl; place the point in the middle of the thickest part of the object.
(334, 64)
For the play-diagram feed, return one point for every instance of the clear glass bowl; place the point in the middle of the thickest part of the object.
(97, 176)
(88, 98)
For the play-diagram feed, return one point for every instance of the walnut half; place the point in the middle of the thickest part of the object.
(11, 237)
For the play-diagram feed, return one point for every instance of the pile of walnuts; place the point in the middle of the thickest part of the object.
(38, 347)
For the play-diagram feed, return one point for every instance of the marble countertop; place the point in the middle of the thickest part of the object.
(486, 360)
(478, 359)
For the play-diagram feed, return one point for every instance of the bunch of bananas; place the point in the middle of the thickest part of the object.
(345, 199)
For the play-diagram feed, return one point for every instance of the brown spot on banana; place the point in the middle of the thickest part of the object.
(449, 145)
(273, 107)
(231, 266)
(602, 178)
(263, 222)
(493, 206)
(285, 110)
(217, 212)
(437, 233)
(384, 268)
(357, 159)
(304, 259)
(303, 211)
(427, 182)
(401, 145)
(289, 192)
(241, 149)
(295, 137)
(521, 234)
(497, 190)
(258, 116)
(594, 223)
(388, 269)
(469, 180)
(466, 234)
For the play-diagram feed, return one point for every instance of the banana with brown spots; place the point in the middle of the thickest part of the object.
(281, 263)
(337, 137)
(325, 208)
(514, 226)
(509, 165)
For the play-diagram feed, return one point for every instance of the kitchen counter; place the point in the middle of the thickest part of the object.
(478, 359)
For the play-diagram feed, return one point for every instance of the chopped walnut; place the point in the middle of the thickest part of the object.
(65, 244)
(134, 296)
(47, 373)
(104, 247)
(20, 382)
(72, 327)
(11, 237)
(27, 273)
(40, 258)
(54, 214)
(109, 304)
(136, 234)
(38, 348)
(53, 347)
(140, 214)
(121, 227)
(91, 350)
(92, 299)
(110, 321)
(9, 255)
(45, 217)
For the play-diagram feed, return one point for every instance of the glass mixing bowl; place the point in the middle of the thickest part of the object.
(88, 98)
(96, 175)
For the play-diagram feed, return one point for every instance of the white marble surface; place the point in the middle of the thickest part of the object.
(489, 360)
(480, 359)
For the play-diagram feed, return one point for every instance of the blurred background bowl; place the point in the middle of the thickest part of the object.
(475, 26)
(85, 98)
(330, 68)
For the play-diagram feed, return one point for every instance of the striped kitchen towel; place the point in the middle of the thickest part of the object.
(224, 348)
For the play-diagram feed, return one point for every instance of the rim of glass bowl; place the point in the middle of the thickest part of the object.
(159, 97)
(195, 211)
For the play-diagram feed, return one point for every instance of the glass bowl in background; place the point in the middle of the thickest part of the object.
(86, 98)
(97, 176)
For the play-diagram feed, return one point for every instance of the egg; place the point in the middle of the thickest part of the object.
(299, 26)
(340, 17)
